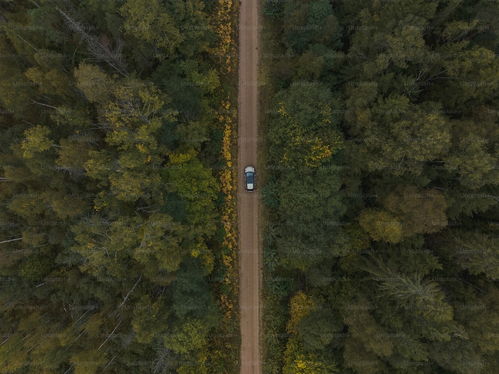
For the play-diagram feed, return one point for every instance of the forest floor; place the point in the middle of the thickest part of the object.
(248, 202)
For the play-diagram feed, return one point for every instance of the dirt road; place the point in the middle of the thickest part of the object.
(248, 209)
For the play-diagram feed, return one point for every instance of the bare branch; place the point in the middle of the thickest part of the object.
(11, 240)
(5, 341)
(43, 104)
(129, 292)
(110, 362)
(96, 48)
(109, 336)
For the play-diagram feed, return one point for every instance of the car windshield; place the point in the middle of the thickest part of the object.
(250, 177)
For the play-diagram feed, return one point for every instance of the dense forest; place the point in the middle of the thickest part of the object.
(112, 248)
(381, 247)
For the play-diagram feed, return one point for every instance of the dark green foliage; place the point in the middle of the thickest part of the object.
(191, 293)
(393, 234)
(109, 226)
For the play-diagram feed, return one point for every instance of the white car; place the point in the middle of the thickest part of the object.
(249, 174)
